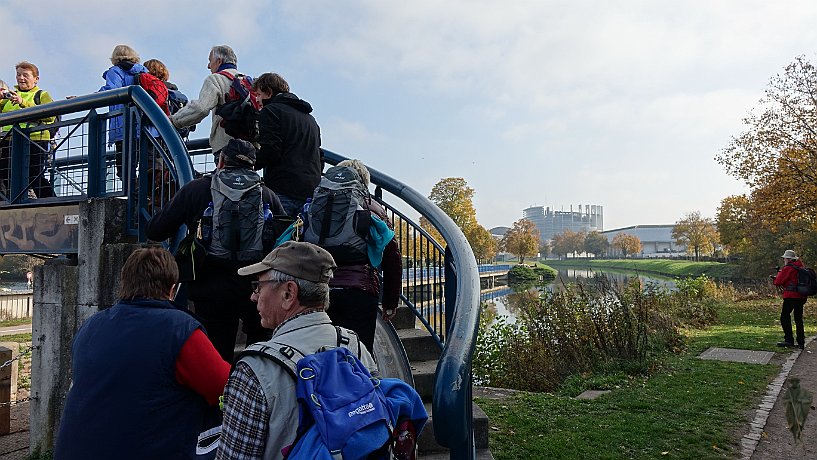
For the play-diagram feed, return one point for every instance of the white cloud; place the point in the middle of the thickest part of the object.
(611, 103)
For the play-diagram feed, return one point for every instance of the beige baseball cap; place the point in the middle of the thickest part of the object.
(299, 259)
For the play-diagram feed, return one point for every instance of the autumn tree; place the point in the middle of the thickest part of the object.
(454, 197)
(521, 240)
(697, 233)
(560, 245)
(595, 243)
(733, 219)
(627, 244)
(568, 242)
(776, 156)
(482, 242)
(544, 248)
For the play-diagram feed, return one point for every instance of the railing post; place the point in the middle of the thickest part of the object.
(450, 289)
(19, 165)
(97, 170)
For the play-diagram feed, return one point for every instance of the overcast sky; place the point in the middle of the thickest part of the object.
(622, 104)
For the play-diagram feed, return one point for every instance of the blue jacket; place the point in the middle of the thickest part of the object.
(118, 77)
(125, 402)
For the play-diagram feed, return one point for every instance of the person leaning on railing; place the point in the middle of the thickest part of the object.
(25, 94)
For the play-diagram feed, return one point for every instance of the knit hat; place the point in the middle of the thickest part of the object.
(299, 259)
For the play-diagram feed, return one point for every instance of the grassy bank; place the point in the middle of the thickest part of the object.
(686, 408)
(666, 267)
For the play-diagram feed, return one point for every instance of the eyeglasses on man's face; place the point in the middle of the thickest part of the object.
(256, 285)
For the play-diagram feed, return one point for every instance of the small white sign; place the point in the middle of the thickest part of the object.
(72, 219)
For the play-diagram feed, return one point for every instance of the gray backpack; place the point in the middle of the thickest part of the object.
(338, 218)
(238, 220)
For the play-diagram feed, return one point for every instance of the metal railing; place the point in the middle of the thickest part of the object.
(442, 282)
(80, 163)
(460, 298)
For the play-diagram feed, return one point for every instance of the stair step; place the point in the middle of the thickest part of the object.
(404, 319)
(423, 372)
(426, 442)
(419, 345)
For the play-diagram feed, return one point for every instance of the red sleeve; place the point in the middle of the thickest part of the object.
(200, 367)
(786, 277)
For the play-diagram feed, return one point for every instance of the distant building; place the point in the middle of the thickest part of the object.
(551, 223)
(499, 231)
(656, 240)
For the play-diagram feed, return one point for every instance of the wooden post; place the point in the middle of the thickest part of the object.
(8, 385)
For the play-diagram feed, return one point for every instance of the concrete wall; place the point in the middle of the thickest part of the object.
(67, 292)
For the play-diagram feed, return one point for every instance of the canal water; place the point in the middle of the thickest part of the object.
(503, 299)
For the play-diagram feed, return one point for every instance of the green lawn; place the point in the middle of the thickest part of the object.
(672, 268)
(687, 408)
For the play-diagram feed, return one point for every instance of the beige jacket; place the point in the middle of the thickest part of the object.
(212, 95)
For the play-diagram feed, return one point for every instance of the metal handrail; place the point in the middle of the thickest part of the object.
(127, 95)
(452, 383)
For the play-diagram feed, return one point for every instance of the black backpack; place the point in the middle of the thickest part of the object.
(806, 280)
(239, 113)
(238, 220)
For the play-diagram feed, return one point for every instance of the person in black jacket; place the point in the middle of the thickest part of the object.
(290, 141)
(220, 296)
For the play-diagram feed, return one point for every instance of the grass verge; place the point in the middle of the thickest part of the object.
(672, 268)
(685, 408)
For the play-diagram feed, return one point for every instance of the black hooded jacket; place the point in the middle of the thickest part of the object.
(290, 142)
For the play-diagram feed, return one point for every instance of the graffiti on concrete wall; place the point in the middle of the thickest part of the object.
(49, 230)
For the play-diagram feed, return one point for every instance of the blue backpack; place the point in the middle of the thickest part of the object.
(344, 412)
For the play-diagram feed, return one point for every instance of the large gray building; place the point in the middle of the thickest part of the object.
(550, 222)
(656, 240)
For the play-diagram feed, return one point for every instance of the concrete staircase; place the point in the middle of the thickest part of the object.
(423, 354)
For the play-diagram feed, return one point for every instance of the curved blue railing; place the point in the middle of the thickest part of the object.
(452, 385)
(444, 293)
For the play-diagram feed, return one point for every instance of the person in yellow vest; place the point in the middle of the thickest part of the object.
(25, 94)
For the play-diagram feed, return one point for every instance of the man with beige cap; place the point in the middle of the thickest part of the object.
(793, 301)
(292, 294)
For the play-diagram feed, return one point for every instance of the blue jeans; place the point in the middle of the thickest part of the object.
(292, 206)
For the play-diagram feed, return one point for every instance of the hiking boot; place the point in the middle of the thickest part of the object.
(785, 344)
(801, 346)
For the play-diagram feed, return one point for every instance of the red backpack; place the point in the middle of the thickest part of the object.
(155, 88)
(239, 113)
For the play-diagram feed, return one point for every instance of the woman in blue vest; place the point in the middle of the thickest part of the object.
(145, 377)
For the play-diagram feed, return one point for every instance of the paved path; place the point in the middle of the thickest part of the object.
(13, 330)
(775, 441)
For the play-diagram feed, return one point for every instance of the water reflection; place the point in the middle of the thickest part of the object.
(505, 300)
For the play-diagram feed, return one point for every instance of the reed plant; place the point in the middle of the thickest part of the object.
(591, 328)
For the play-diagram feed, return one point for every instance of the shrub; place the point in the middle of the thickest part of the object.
(590, 329)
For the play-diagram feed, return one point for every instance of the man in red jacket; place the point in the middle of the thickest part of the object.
(793, 301)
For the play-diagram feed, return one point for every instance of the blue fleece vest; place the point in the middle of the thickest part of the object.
(124, 402)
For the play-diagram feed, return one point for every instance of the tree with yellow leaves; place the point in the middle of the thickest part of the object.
(522, 239)
(697, 233)
(627, 244)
